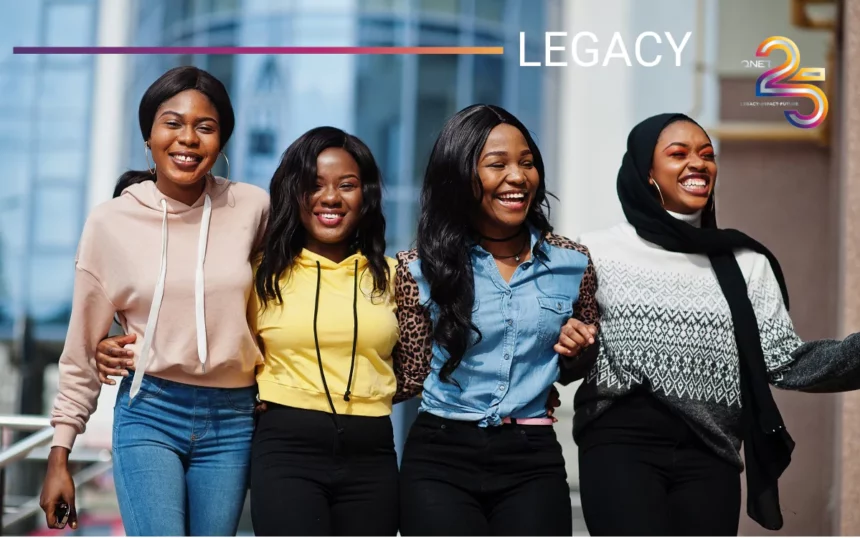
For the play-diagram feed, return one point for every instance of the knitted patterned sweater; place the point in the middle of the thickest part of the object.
(666, 328)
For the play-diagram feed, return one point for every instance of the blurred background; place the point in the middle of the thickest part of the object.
(68, 129)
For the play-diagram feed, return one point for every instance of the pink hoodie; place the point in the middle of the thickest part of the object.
(179, 277)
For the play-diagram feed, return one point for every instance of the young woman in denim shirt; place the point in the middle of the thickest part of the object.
(481, 303)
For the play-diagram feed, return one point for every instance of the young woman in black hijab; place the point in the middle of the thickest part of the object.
(694, 330)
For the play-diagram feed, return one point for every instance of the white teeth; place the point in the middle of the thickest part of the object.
(184, 158)
(330, 216)
(513, 196)
(694, 183)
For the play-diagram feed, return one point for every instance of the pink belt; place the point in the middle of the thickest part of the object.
(528, 421)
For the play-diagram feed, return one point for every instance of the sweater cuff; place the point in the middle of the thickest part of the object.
(64, 436)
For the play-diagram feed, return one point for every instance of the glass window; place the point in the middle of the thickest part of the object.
(377, 110)
(439, 35)
(65, 126)
(52, 280)
(488, 80)
(490, 10)
(62, 163)
(262, 142)
(382, 5)
(19, 26)
(436, 102)
(17, 83)
(57, 217)
(380, 32)
(69, 25)
(440, 6)
(530, 97)
(61, 87)
(531, 15)
(221, 67)
(15, 134)
(224, 6)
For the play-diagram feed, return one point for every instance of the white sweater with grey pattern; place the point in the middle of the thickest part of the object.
(666, 326)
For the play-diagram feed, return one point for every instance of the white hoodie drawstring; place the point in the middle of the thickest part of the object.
(199, 283)
(158, 295)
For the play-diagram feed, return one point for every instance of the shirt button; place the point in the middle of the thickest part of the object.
(501, 387)
(509, 322)
(558, 306)
(507, 357)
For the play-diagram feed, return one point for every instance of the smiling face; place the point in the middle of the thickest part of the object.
(185, 140)
(684, 167)
(333, 210)
(509, 181)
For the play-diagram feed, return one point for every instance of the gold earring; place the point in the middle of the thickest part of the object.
(654, 183)
(228, 166)
(146, 150)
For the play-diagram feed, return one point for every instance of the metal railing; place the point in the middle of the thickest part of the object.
(99, 463)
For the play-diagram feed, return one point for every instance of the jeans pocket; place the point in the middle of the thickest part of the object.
(426, 432)
(241, 400)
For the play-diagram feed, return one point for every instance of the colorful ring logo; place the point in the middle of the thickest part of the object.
(790, 80)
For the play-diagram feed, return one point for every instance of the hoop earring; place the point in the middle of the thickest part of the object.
(654, 184)
(146, 150)
(228, 166)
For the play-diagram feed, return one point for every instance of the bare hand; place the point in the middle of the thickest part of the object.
(112, 358)
(552, 401)
(58, 488)
(574, 337)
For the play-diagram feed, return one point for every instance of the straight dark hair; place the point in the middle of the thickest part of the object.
(445, 230)
(290, 190)
(171, 83)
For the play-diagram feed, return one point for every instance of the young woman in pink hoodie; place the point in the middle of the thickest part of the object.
(170, 258)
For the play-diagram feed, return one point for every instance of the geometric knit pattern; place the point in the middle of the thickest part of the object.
(665, 325)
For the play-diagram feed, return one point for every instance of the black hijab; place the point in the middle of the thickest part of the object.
(767, 444)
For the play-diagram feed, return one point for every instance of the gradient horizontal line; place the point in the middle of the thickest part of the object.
(258, 50)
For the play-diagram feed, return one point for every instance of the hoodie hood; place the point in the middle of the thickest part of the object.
(147, 194)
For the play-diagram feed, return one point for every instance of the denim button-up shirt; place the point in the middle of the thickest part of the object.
(509, 371)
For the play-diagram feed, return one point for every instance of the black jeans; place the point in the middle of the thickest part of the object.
(458, 479)
(643, 472)
(309, 480)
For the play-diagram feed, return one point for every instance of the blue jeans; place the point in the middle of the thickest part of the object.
(181, 458)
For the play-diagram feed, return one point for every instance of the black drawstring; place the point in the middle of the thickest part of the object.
(354, 332)
(319, 356)
(354, 342)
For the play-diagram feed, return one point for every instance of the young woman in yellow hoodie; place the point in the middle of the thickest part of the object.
(323, 459)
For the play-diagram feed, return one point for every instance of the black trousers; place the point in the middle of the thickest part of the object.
(309, 480)
(458, 479)
(643, 472)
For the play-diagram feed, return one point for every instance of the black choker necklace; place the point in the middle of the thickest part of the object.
(519, 253)
(503, 239)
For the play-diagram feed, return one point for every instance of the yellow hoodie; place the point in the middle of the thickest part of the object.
(291, 372)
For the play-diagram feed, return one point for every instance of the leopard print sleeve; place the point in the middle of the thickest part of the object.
(585, 309)
(413, 351)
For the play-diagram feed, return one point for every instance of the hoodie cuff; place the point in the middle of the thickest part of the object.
(64, 436)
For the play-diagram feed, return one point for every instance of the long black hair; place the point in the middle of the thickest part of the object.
(292, 185)
(173, 82)
(445, 228)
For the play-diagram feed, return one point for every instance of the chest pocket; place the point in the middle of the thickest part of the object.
(553, 312)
